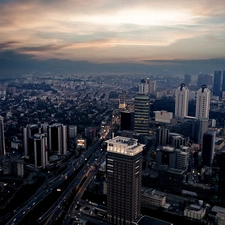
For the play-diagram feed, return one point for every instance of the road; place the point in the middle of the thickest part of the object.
(53, 184)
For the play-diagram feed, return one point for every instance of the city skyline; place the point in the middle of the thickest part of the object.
(97, 31)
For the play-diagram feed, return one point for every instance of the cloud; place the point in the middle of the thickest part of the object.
(98, 30)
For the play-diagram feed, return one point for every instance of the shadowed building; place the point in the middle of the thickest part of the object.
(124, 175)
(141, 113)
(217, 83)
(218, 179)
(208, 147)
(2, 137)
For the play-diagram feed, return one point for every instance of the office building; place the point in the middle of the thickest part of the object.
(58, 138)
(124, 177)
(127, 120)
(187, 79)
(38, 151)
(122, 100)
(144, 87)
(2, 137)
(162, 136)
(208, 147)
(218, 179)
(206, 79)
(217, 83)
(202, 103)
(223, 82)
(153, 87)
(181, 101)
(149, 85)
(165, 157)
(172, 180)
(72, 131)
(141, 113)
(28, 131)
(163, 116)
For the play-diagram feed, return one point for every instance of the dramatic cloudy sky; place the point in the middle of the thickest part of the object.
(106, 31)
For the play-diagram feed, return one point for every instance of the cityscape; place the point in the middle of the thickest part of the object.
(132, 151)
(112, 112)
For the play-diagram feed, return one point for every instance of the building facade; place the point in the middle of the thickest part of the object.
(218, 179)
(217, 83)
(2, 137)
(141, 113)
(203, 103)
(38, 150)
(181, 101)
(208, 147)
(124, 176)
(127, 120)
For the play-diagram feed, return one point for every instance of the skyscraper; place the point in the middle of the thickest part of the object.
(217, 83)
(122, 100)
(144, 87)
(218, 179)
(141, 113)
(58, 138)
(206, 79)
(181, 101)
(28, 131)
(202, 103)
(187, 79)
(223, 81)
(124, 174)
(162, 136)
(38, 150)
(2, 137)
(208, 146)
(126, 120)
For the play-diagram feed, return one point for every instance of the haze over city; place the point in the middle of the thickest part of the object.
(156, 36)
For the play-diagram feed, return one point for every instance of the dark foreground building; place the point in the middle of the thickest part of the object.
(124, 173)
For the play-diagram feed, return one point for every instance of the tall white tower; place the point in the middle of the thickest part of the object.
(144, 87)
(203, 103)
(181, 101)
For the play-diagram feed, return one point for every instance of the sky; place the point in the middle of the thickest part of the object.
(106, 31)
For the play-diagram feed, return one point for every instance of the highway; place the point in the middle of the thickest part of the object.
(53, 184)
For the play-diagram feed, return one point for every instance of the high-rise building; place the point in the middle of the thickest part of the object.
(58, 138)
(153, 87)
(38, 151)
(28, 131)
(122, 100)
(127, 120)
(124, 175)
(187, 79)
(217, 83)
(141, 113)
(144, 87)
(72, 131)
(218, 179)
(206, 79)
(149, 85)
(162, 136)
(208, 146)
(2, 137)
(202, 103)
(223, 81)
(181, 101)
